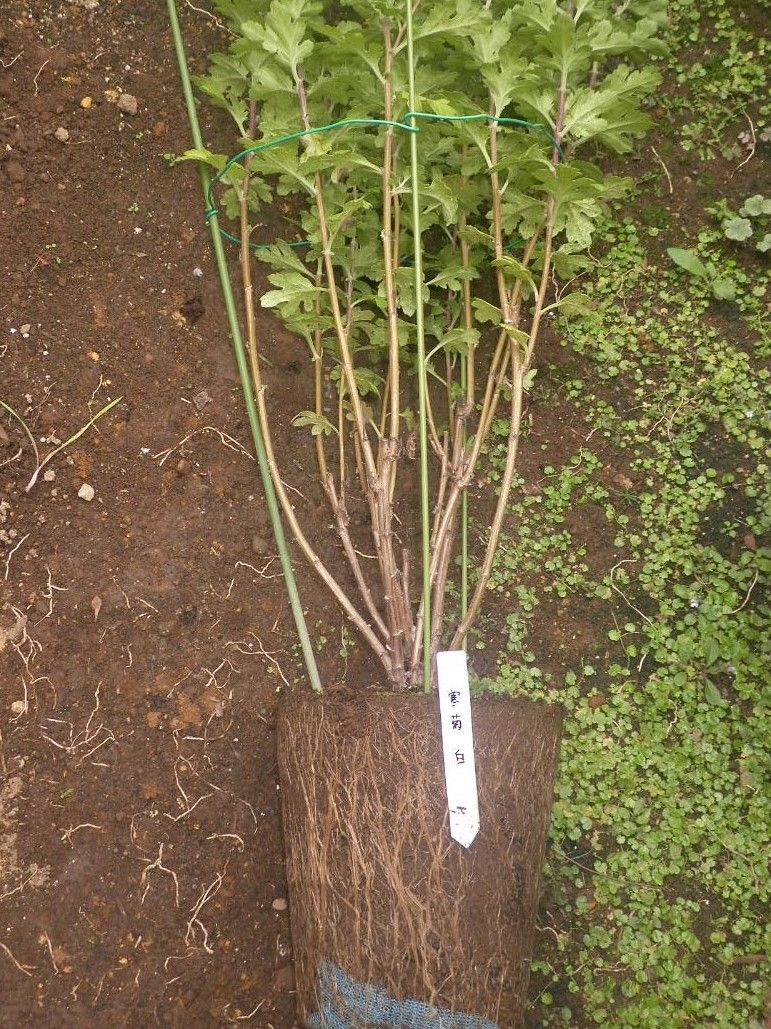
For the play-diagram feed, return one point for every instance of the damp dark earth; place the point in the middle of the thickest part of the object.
(146, 641)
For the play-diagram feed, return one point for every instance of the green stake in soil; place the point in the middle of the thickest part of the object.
(421, 342)
(243, 370)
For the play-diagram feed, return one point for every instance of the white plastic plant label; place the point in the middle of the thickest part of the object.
(458, 745)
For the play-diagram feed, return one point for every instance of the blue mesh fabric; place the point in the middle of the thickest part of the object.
(346, 1004)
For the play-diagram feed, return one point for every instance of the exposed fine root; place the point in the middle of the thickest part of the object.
(376, 884)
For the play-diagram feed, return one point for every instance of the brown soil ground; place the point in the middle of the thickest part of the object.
(140, 846)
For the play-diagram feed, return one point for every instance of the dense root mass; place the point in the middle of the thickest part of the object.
(376, 884)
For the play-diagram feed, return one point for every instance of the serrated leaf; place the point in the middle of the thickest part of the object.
(282, 257)
(282, 33)
(367, 381)
(577, 208)
(443, 198)
(568, 47)
(723, 289)
(459, 340)
(568, 263)
(688, 260)
(235, 11)
(285, 161)
(226, 85)
(317, 423)
(521, 214)
(471, 234)
(460, 18)
(404, 278)
(572, 304)
(442, 107)
(348, 46)
(452, 276)
(292, 290)
(539, 102)
(266, 76)
(489, 42)
(342, 220)
(204, 156)
(477, 133)
(610, 112)
(506, 79)
(614, 37)
(540, 13)
(233, 176)
(515, 270)
(484, 312)
(516, 335)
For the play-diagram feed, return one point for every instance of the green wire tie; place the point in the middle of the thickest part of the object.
(212, 212)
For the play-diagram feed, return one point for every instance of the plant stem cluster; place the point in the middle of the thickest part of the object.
(506, 218)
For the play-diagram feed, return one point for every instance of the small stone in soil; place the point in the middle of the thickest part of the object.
(279, 904)
(86, 492)
(49, 475)
(127, 103)
(86, 103)
(17, 707)
(62, 134)
(200, 400)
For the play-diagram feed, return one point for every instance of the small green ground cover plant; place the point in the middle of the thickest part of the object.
(717, 270)
(721, 286)
(719, 60)
(657, 914)
(658, 890)
(751, 224)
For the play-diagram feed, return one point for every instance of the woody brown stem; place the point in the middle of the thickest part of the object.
(375, 476)
(520, 363)
(259, 395)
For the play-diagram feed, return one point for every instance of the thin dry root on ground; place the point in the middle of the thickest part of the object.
(24, 969)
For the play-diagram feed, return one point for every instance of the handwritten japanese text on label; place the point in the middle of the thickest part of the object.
(458, 745)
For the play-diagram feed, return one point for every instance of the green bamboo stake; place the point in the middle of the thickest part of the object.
(243, 369)
(421, 340)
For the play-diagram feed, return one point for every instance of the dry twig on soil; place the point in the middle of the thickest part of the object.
(26, 969)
